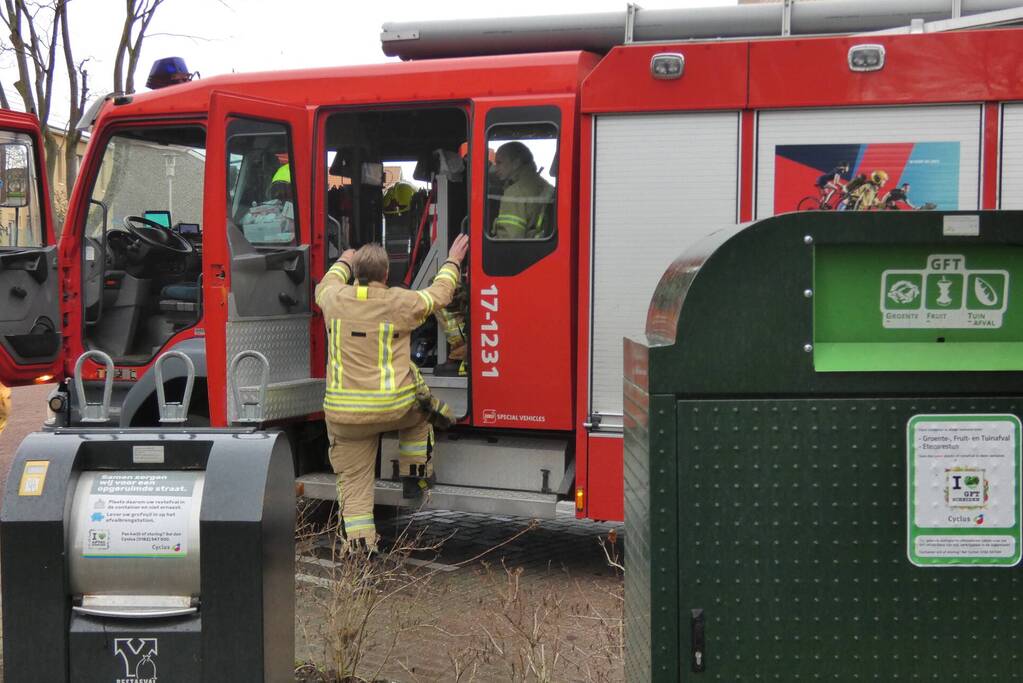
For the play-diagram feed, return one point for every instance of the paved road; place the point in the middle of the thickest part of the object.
(28, 410)
(500, 598)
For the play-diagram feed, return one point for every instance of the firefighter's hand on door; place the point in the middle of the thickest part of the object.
(458, 249)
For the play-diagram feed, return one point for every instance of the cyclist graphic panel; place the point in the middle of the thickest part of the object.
(867, 177)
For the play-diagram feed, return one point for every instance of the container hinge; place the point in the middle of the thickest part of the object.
(698, 641)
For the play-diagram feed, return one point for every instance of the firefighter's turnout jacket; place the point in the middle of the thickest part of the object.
(523, 207)
(370, 378)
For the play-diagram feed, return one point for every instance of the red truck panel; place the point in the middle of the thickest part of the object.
(714, 78)
(938, 67)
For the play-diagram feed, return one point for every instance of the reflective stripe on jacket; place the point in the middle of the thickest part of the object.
(369, 372)
(521, 212)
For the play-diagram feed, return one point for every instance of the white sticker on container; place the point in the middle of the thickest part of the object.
(961, 226)
(139, 514)
(963, 489)
(147, 455)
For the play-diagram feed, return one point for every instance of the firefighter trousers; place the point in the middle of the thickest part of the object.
(353, 454)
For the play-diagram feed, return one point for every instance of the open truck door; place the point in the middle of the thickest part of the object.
(29, 279)
(257, 275)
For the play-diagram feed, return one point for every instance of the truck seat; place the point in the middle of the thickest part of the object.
(183, 296)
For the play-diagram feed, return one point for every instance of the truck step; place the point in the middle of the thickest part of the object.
(321, 485)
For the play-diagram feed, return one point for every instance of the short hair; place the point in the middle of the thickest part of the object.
(517, 150)
(371, 263)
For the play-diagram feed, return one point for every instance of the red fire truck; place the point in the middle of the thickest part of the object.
(206, 211)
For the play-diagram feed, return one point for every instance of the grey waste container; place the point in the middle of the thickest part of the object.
(149, 556)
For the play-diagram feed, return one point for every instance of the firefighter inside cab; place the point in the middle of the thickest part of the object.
(525, 209)
(372, 385)
(272, 220)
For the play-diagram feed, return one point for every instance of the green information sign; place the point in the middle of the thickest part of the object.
(963, 500)
(918, 308)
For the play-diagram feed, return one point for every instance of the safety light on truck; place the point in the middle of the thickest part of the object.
(667, 66)
(168, 71)
(866, 57)
(579, 499)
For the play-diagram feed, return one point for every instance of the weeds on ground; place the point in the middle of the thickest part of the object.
(533, 630)
(363, 606)
(367, 612)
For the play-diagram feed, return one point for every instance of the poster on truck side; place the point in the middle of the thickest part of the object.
(963, 500)
(888, 176)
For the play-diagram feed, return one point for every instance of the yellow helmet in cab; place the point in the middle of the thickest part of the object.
(398, 198)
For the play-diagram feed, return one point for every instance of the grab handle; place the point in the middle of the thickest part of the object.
(249, 405)
(170, 411)
(94, 412)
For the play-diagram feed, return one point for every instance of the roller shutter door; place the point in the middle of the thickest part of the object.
(1012, 157)
(937, 148)
(660, 183)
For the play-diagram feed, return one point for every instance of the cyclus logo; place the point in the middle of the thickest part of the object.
(137, 655)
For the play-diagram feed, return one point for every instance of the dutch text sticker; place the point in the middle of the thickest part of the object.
(963, 490)
(140, 514)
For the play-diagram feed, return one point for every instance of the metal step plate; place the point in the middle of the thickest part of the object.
(321, 485)
(474, 460)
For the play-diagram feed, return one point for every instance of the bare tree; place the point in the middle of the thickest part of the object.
(78, 91)
(137, 17)
(34, 48)
(35, 28)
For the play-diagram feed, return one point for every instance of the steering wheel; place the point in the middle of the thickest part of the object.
(155, 235)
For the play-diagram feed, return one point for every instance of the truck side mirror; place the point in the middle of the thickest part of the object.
(15, 177)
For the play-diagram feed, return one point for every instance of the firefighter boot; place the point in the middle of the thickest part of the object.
(360, 547)
(417, 482)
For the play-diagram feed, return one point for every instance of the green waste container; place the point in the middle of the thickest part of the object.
(822, 454)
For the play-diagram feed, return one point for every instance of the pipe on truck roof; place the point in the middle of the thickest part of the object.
(599, 32)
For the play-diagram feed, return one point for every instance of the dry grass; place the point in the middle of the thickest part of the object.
(399, 616)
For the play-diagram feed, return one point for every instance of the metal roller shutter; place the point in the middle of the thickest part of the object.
(875, 126)
(660, 183)
(1012, 157)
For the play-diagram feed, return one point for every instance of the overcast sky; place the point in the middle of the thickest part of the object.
(259, 35)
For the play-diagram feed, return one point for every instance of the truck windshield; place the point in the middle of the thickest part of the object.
(20, 222)
(150, 169)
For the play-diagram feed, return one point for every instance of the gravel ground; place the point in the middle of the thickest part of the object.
(453, 596)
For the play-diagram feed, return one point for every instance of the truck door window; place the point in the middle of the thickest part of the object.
(521, 181)
(260, 191)
(21, 224)
(142, 242)
(521, 201)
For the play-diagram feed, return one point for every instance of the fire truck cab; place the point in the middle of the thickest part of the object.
(206, 212)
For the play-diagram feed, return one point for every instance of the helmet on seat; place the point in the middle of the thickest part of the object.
(398, 198)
